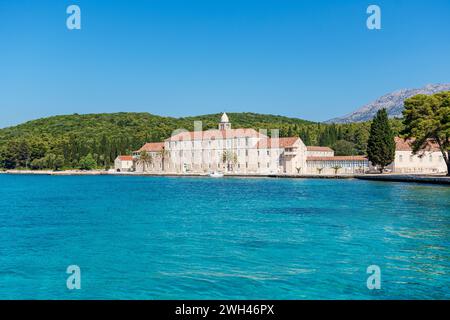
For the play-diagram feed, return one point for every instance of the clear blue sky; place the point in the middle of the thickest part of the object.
(308, 59)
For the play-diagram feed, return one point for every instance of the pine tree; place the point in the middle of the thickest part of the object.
(381, 144)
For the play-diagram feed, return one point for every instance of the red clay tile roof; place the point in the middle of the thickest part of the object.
(402, 144)
(125, 158)
(337, 158)
(216, 134)
(317, 148)
(152, 146)
(405, 145)
(281, 143)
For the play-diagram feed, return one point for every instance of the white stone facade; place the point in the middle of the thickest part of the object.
(123, 164)
(240, 151)
(315, 151)
(338, 165)
(427, 161)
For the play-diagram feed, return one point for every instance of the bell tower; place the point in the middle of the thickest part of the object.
(224, 123)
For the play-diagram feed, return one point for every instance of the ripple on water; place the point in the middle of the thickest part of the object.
(169, 238)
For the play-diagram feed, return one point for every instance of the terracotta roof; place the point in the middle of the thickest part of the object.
(273, 143)
(402, 144)
(405, 145)
(337, 158)
(317, 148)
(152, 146)
(125, 158)
(215, 134)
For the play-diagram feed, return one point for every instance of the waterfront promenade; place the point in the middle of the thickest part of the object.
(416, 178)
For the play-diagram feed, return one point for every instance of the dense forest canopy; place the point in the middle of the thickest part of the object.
(71, 141)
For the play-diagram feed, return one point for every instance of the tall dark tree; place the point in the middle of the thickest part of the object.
(381, 144)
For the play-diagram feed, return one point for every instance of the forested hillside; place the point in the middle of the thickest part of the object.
(72, 141)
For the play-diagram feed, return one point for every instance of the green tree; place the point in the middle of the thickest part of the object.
(49, 160)
(336, 169)
(7, 158)
(427, 117)
(38, 164)
(87, 163)
(16, 154)
(58, 163)
(381, 144)
(144, 159)
(229, 159)
(344, 148)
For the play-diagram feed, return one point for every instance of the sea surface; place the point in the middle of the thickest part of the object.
(234, 238)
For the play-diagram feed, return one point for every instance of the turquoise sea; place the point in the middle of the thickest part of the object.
(204, 238)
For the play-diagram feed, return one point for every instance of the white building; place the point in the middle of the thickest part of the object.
(316, 151)
(241, 151)
(429, 160)
(155, 151)
(123, 163)
(337, 164)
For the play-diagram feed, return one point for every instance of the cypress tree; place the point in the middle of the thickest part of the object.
(381, 144)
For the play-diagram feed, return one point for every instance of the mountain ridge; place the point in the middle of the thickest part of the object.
(393, 102)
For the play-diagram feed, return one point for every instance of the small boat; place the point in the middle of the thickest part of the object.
(216, 174)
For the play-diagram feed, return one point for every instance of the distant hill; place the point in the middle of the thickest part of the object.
(142, 126)
(107, 135)
(393, 102)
